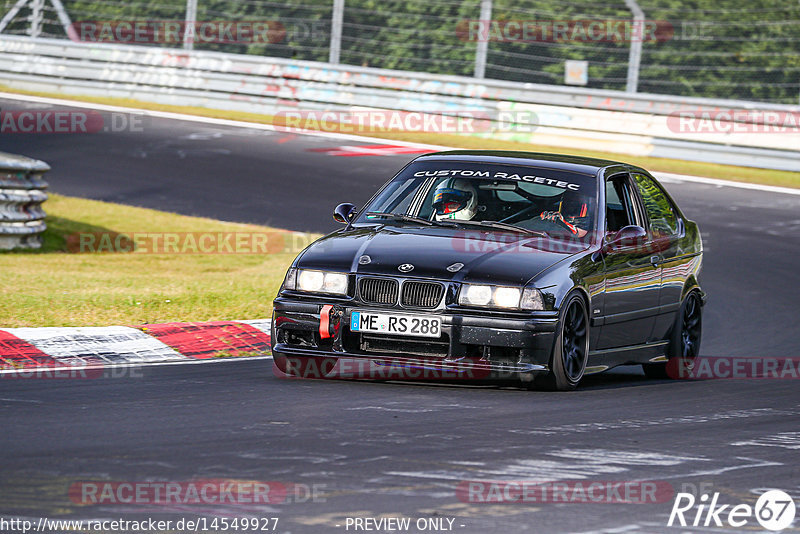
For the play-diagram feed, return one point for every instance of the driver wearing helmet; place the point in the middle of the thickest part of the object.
(573, 213)
(455, 198)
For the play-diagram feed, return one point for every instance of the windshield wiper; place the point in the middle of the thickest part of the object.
(497, 225)
(400, 217)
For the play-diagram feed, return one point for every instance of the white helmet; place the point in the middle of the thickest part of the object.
(455, 198)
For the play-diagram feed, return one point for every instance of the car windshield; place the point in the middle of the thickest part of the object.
(533, 200)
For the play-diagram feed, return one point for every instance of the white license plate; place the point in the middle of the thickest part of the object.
(396, 324)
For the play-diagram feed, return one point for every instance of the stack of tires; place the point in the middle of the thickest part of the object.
(22, 192)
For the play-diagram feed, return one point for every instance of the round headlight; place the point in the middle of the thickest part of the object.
(506, 297)
(477, 295)
(310, 280)
(335, 283)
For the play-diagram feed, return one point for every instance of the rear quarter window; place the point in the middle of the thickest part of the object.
(660, 210)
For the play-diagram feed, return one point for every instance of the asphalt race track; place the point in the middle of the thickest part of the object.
(376, 450)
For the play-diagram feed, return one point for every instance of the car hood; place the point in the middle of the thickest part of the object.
(490, 257)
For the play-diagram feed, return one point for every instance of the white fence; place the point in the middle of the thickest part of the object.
(733, 132)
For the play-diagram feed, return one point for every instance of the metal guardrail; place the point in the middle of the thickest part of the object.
(633, 124)
(22, 192)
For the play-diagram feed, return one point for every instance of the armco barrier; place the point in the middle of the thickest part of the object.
(22, 192)
(633, 124)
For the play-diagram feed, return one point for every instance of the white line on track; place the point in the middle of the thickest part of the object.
(667, 176)
(349, 137)
(212, 120)
(757, 463)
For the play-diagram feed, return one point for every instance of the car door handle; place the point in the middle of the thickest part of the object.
(655, 260)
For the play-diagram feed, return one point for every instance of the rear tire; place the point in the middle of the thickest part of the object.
(570, 349)
(684, 343)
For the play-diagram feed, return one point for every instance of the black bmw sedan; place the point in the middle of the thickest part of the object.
(479, 264)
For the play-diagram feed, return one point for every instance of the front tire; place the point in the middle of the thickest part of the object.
(571, 348)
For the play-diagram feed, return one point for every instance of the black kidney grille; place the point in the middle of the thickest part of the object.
(378, 290)
(422, 294)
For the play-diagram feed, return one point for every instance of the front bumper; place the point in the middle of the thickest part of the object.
(471, 345)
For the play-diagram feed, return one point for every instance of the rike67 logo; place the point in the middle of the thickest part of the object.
(774, 510)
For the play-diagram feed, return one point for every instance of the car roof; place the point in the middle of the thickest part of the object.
(562, 162)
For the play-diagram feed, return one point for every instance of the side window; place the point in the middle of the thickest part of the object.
(619, 204)
(660, 211)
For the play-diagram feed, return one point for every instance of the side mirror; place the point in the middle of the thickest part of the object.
(343, 213)
(629, 236)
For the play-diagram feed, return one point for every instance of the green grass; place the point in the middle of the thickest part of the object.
(56, 287)
(710, 170)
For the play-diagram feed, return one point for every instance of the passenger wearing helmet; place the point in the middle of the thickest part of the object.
(573, 212)
(455, 198)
